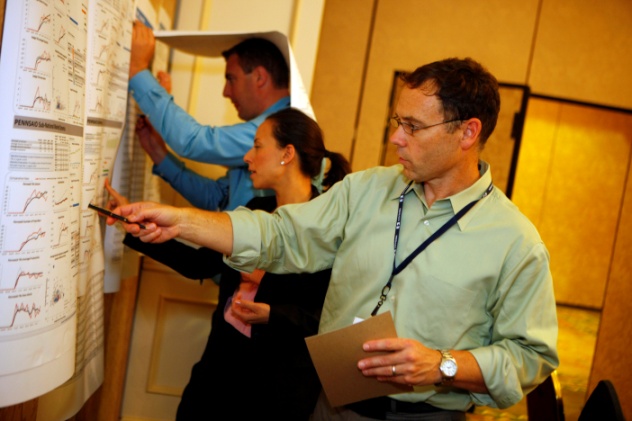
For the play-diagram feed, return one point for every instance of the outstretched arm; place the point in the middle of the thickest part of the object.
(150, 140)
(202, 192)
(194, 263)
(190, 262)
(210, 229)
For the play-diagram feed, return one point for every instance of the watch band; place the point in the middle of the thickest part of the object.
(448, 367)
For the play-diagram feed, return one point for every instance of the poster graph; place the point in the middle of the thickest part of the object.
(63, 73)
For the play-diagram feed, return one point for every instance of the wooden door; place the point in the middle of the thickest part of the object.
(570, 182)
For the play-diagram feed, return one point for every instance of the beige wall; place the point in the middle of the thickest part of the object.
(407, 35)
(338, 83)
(583, 51)
(615, 331)
(566, 48)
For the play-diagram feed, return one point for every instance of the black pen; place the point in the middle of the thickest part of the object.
(114, 215)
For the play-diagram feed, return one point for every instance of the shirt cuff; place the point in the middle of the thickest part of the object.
(246, 240)
(169, 168)
(501, 379)
(141, 83)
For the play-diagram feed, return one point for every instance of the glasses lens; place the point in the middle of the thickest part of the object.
(395, 123)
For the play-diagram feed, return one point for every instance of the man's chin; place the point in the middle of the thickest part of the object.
(408, 174)
(244, 117)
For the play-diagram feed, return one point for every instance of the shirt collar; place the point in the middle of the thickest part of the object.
(458, 201)
(277, 106)
(472, 193)
(399, 186)
(284, 102)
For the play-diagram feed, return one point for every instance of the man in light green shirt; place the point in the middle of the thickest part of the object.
(473, 307)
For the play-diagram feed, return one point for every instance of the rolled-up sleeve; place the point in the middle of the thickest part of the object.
(246, 240)
(295, 238)
(523, 351)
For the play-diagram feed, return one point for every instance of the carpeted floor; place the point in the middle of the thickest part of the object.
(576, 345)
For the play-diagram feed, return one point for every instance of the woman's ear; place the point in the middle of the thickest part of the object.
(288, 154)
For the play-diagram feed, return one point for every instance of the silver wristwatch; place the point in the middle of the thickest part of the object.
(447, 368)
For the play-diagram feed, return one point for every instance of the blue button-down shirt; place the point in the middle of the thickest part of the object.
(220, 145)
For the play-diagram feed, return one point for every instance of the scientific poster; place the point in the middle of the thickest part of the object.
(41, 122)
(108, 52)
(63, 73)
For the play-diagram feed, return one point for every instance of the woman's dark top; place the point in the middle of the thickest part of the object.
(267, 376)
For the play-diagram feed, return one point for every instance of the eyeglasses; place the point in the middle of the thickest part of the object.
(411, 128)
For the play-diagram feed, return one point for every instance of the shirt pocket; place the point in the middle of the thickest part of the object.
(443, 315)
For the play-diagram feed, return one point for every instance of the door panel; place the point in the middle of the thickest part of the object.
(570, 182)
(171, 327)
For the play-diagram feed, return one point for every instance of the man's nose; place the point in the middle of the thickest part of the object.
(397, 137)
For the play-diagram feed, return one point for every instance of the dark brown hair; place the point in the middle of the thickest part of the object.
(255, 52)
(465, 88)
(293, 127)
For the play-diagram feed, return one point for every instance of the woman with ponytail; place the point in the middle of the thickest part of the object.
(256, 364)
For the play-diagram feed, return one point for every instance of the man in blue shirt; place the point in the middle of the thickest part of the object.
(257, 83)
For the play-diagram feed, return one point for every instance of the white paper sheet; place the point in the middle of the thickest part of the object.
(63, 74)
(108, 51)
(42, 74)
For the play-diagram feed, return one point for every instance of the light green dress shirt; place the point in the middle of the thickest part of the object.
(484, 286)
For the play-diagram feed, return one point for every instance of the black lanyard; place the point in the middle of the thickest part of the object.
(398, 268)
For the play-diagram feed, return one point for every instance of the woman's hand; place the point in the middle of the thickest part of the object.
(251, 312)
(150, 140)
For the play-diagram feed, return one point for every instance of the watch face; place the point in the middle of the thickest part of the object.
(448, 368)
